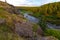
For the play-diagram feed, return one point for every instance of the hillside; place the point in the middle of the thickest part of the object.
(13, 26)
(51, 12)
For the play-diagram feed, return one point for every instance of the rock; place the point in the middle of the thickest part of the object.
(24, 29)
(9, 8)
(49, 38)
(2, 20)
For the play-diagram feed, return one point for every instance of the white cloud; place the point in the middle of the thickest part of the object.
(20, 2)
(23, 2)
(29, 2)
(48, 1)
(58, 0)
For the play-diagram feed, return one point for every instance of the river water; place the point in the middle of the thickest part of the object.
(31, 18)
(53, 26)
(36, 20)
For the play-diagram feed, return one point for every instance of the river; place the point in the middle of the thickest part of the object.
(36, 20)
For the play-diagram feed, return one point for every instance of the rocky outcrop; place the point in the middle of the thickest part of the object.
(45, 38)
(2, 20)
(9, 8)
(48, 38)
(12, 10)
(24, 30)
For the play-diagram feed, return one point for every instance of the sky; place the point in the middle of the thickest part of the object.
(29, 2)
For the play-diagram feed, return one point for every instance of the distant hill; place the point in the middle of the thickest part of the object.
(51, 12)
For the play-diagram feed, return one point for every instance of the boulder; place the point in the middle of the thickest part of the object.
(48, 38)
(2, 21)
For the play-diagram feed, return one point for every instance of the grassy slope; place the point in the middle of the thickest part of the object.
(5, 32)
(5, 28)
(53, 32)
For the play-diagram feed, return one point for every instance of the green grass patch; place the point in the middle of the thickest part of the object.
(53, 32)
(35, 27)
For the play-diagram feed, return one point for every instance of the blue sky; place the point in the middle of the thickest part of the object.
(30, 2)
